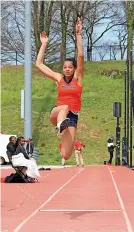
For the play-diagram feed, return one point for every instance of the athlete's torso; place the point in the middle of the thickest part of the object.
(69, 94)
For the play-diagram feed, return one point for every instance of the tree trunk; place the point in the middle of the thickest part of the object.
(130, 25)
(89, 48)
(63, 34)
(41, 16)
(41, 22)
(49, 18)
(89, 53)
(35, 25)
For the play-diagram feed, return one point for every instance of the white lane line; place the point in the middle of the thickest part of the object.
(48, 200)
(129, 227)
(80, 210)
(24, 191)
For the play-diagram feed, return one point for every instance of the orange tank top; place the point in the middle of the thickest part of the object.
(69, 94)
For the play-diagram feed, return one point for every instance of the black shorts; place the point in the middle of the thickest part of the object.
(73, 119)
(72, 116)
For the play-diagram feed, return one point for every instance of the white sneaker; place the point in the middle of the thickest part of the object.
(63, 125)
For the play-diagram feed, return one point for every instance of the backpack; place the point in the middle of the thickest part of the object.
(13, 178)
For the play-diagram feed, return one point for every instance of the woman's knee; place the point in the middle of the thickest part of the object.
(53, 120)
(67, 153)
(68, 142)
(66, 156)
(65, 107)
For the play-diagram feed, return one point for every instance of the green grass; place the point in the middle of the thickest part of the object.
(96, 121)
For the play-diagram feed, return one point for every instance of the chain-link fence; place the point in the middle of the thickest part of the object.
(95, 53)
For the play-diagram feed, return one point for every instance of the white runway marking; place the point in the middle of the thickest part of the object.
(80, 210)
(48, 200)
(24, 191)
(129, 227)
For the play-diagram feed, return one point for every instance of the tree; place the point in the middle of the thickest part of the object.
(122, 39)
(42, 16)
(58, 19)
(12, 37)
(64, 13)
(102, 50)
(129, 10)
(100, 13)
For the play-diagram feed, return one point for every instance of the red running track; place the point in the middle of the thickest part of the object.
(89, 199)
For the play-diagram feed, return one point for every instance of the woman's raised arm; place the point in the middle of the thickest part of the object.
(40, 60)
(80, 52)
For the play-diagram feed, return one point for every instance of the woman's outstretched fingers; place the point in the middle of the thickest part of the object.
(44, 37)
(78, 26)
(44, 34)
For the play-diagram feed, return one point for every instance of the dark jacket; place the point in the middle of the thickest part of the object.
(11, 148)
(21, 149)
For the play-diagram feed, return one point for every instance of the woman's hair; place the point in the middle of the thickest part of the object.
(12, 137)
(73, 61)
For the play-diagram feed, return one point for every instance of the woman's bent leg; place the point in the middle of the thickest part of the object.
(58, 114)
(68, 139)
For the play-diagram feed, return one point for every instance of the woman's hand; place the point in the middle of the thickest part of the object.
(78, 27)
(43, 38)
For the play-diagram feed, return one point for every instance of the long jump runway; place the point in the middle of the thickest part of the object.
(89, 199)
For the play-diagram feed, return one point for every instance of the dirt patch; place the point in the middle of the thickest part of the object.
(95, 133)
(82, 125)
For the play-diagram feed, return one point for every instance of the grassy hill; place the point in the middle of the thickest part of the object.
(103, 85)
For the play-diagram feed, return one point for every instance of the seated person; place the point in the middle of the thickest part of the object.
(23, 159)
(29, 147)
(20, 147)
(11, 146)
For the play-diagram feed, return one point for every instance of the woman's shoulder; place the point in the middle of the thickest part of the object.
(78, 81)
(59, 77)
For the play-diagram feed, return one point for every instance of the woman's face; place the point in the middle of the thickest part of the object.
(22, 142)
(68, 69)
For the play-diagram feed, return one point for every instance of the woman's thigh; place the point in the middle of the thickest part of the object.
(54, 113)
(68, 140)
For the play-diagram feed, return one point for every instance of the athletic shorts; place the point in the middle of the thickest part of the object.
(72, 116)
